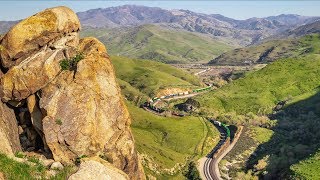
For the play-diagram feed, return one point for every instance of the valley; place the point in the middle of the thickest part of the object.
(152, 93)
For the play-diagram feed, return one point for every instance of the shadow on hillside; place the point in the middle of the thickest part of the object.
(296, 137)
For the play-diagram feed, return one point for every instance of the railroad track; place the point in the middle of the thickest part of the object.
(210, 167)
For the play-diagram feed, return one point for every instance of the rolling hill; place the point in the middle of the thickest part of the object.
(165, 144)
(143, 79)
(159, 43)
(265, 52)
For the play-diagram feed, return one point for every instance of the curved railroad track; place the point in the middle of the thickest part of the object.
(210, 165)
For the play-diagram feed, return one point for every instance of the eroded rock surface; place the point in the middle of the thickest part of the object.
(9, 135)
(94, 119)
(69, 113)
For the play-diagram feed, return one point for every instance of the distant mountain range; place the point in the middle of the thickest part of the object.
(245, 32)
(241, 32)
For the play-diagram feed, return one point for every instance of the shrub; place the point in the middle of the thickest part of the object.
(71, 64)
(59, 122)
(192, 172)
(78, 159)
(20, 154)
(64, 64)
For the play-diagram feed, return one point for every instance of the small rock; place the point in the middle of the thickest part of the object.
(56, 165)
(20, 130)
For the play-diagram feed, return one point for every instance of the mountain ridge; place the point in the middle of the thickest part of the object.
(247, 32)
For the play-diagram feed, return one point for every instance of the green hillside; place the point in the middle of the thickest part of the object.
(291, 151)
(259, 91)
(158, 43)
(265, 52)
(164, 142)
(140, 79)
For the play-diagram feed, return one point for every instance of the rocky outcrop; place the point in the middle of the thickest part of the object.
(35, 32)
(98, 169)
(94, 119)
(66, 112)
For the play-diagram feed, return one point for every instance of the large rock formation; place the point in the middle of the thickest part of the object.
(66, 112)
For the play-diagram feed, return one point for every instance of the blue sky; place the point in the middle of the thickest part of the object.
(13, 10)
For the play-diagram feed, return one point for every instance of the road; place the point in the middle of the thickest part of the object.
(209, 165)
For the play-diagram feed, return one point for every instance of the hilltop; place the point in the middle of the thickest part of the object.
(265, 52)
(159, 43)
(143, 79)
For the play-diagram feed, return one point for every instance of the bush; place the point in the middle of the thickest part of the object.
(71, 64)
(192, 172)
(59, 122)
(64, 64)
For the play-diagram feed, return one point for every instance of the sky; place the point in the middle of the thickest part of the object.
(14, 10)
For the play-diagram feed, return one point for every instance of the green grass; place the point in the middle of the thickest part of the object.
(169, 141)
(259, 91)
(144, 78)
(14, 170)
(158, 43)
(270, 51)
(261, 135)
(308, 169)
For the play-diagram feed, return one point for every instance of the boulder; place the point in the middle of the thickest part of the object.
(95, 170)
(86, 115)
(56, 166)
(35, 32)
(9, 133)
(34, 72)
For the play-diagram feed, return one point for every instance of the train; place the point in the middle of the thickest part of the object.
(223, 125)
(180, 94)
(153, 108)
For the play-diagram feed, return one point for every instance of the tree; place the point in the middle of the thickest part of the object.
(192, 172)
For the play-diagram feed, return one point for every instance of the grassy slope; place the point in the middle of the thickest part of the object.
(309, 168)
(158, 43)
(278, 49)
(143, 78)
(14, 170)
(166, 140)
(259, 91)
(297, 78)
(169, 141)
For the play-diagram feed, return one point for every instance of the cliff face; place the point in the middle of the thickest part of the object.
(64, 93)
